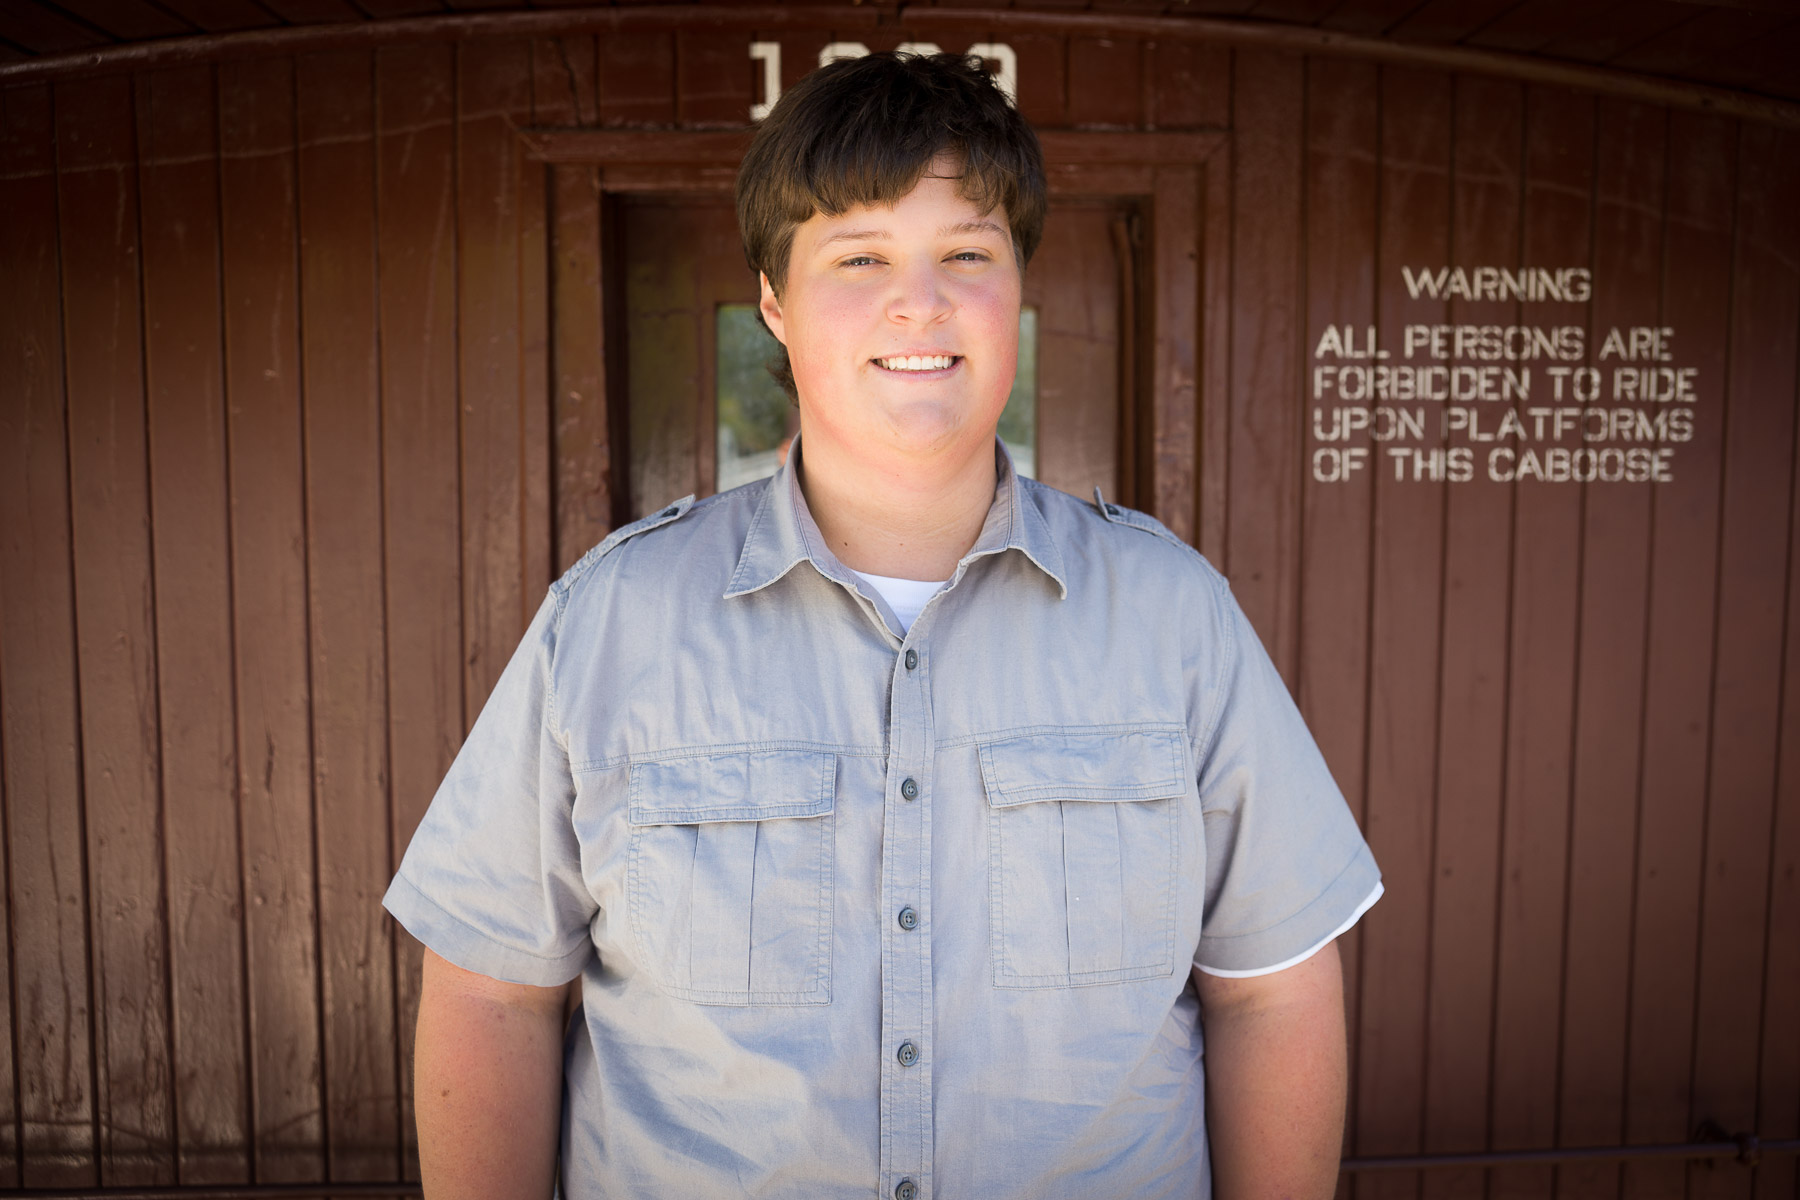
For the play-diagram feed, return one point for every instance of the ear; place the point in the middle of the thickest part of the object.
(771, 310)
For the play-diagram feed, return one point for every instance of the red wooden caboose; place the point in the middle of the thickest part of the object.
(1464, 335)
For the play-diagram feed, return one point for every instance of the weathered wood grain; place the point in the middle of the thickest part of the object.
(1192, 85)
(1546, 581)
(494, 97)
(1172, 394)
(1778, 1099)
(49, 999)
(1696, 290)
(715, 80)
(1105, 88)
(1340, 222)
(568, 210)
(1406, 563)
(1074, 283)
(662, 273)
(1212, 457)
(347, 616)
(1263, 518)
(1567, 726)
(1043, 87)
(637, 79)
(269, 561)
(189, 498)
(1759, 421)
(1485, 224)
(114, 625)
(415, 98)
(1615, 580)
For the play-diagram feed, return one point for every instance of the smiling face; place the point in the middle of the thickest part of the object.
(901, 324)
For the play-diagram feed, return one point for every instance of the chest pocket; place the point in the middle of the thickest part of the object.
(1083, 856)
(729, 875)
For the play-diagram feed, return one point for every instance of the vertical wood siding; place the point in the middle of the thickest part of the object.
(1339, 203)
(303, 398)
(415, 212)
(1485, 218)
(1406, 552)
(40, 724)
(178, 169)
(116, 667)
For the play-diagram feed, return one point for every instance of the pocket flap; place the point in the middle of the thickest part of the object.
(1087, 766)
(755, 785)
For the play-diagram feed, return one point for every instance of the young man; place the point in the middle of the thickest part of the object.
(906, 822)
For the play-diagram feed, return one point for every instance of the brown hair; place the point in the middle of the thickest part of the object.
(861, 131)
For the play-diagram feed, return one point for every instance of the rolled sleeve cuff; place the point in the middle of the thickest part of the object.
(1299, 937)
(473, 950)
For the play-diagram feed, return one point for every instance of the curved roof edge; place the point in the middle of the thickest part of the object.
(1298, 39)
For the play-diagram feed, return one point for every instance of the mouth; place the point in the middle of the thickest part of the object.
(917, 364)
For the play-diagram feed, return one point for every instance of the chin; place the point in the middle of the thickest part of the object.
(927, 425)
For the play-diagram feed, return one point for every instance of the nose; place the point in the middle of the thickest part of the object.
(919, 297)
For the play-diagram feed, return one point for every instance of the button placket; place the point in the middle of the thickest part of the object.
(906, 994)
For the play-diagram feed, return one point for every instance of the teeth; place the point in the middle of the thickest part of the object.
(918, 362)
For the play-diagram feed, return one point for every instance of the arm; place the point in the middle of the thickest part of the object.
(487, 1084)
(1275, 1080)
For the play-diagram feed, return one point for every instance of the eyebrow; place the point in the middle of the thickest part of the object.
(972, 227)
(875, 235)
(857, 235)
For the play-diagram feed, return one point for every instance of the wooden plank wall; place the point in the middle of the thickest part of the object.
(267, 472)
(285, 464)
(1564, 711)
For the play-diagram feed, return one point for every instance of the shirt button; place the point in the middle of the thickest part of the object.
(910, 790)
(908, 918)
(912, 659)
(908, 1054)
(906, 1190)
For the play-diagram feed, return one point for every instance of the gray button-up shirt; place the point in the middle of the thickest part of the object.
(857, 922)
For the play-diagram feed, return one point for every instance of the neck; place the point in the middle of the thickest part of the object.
(901, 519)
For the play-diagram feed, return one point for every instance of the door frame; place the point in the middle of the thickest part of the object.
(1181, 179)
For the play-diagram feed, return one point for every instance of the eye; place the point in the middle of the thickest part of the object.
(971, 256)
(859, 260)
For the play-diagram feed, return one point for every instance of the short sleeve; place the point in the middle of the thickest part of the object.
(1286, 867)
(492, 878)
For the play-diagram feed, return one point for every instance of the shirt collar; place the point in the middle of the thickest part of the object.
(783, 533)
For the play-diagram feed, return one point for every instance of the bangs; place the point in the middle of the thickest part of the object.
(838, 174)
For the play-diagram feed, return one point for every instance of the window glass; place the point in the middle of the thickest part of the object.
(753, 410)
(1018, 423)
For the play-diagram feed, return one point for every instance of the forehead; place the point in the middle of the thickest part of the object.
(935, 206)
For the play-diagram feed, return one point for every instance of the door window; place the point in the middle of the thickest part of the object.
(755, 418)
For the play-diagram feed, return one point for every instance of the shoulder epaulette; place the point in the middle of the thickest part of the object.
(1118, 514)
(623, 534)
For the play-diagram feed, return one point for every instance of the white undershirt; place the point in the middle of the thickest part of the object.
(1368, 903)
(907, 597)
